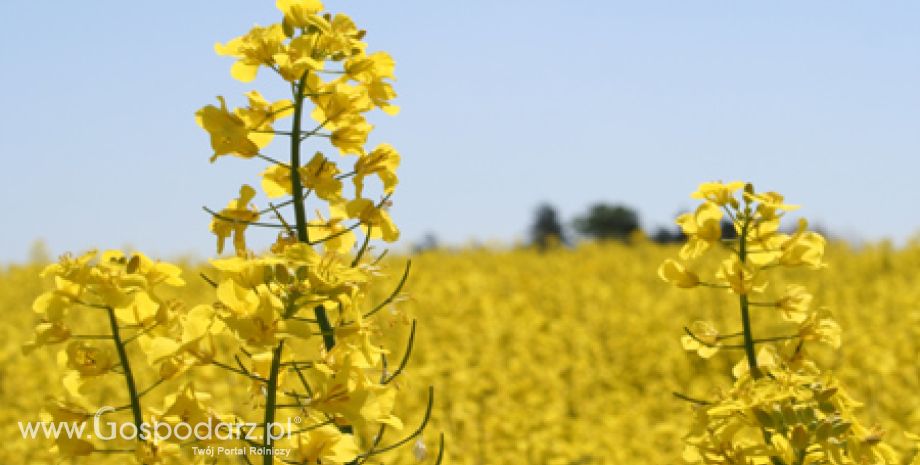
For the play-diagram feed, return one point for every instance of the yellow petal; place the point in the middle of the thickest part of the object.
(244, 72)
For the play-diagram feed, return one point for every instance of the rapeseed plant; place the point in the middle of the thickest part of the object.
(294, 323)
(783, 408)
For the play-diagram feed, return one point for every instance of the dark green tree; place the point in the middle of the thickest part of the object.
(546, 229)
(604, 221)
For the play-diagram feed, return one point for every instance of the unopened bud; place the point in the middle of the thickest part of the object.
(419, 450)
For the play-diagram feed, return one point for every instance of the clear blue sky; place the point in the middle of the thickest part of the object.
(505, 104)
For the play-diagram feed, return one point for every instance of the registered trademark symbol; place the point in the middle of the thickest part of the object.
(297, 420)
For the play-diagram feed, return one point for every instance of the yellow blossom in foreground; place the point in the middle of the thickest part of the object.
(299, 13)
(703, 228)
(332, 233)
(261, 114)
(374, 220)
(321, 175)
(803, 248)
(325, 445)
(794, 304)
(704, 339)
(738, 277)
(718, 193)
(382, 161)
(252, 50)
(234, 220)
(229, 134)
(673, 272)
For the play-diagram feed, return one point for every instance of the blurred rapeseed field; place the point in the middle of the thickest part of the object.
(569, 356)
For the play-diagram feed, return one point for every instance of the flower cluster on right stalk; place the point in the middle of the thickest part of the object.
(782, 409)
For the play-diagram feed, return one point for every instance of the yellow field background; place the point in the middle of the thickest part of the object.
(564, 357)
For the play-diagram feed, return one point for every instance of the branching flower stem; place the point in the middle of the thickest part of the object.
(300, 219)
(749, 342)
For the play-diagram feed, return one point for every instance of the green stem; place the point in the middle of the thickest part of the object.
(749, 339)
(271, 403)
(691, 399)
(749, 350)
(126, 366)
(296, 184)
(322, 319)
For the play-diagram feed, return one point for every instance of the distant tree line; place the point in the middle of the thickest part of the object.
(602, 222)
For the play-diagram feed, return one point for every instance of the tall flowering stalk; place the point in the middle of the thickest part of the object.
(783, 408)
(293, 323)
